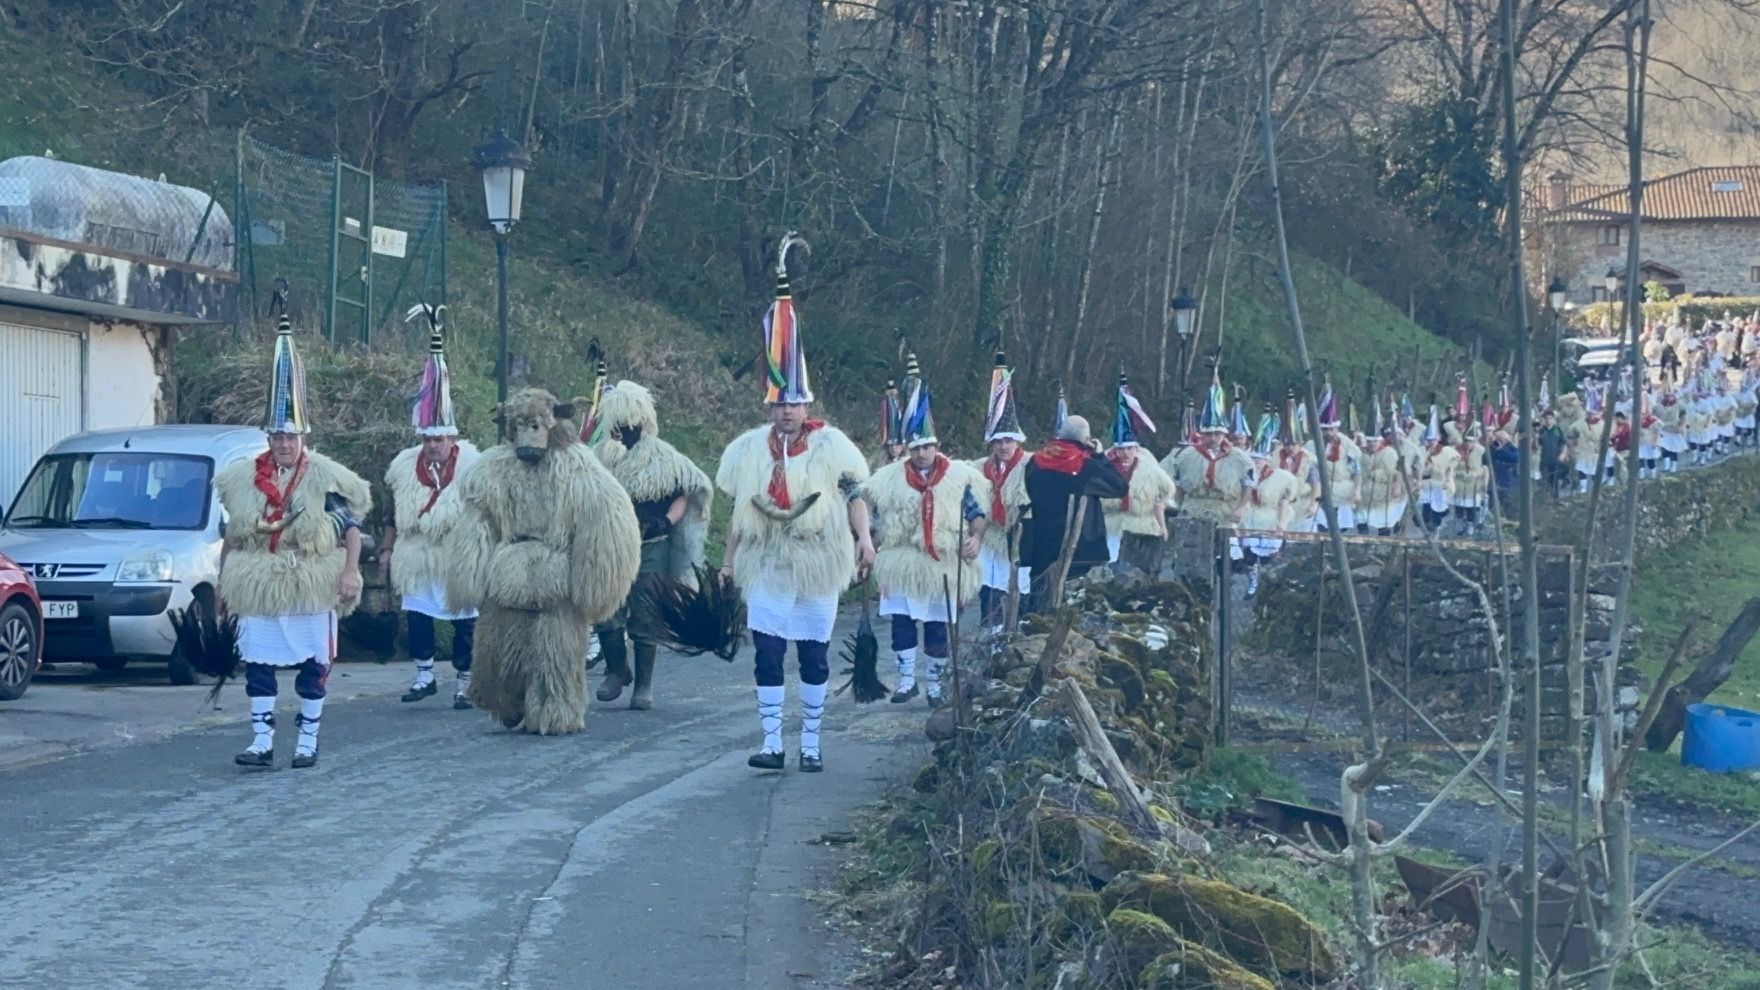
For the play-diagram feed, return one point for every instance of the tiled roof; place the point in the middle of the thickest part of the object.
(1730, 192)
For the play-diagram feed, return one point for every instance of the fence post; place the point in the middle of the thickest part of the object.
(335, 246)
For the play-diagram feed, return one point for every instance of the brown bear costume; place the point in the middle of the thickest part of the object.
(546, 546)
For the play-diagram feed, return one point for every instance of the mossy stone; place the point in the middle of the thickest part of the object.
(1263, 934)
(1193, 967)
(1097, 847)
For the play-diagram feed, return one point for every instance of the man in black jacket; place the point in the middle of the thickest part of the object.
(1551, 453)
(1066, 469)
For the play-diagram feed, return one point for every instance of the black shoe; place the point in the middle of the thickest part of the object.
(766, 761)
(460, 703)
(252, 758)
(936, 701)
(303, 760)
(901, 696)
(427, 690)
(812, 763)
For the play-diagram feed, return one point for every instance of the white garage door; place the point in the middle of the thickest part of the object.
(39, 398)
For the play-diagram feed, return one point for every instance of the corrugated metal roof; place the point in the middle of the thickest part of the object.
(1726, 192)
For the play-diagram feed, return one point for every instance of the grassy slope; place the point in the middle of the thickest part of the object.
(1351, 331)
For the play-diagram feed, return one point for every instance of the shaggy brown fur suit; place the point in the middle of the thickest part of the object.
(546, 546)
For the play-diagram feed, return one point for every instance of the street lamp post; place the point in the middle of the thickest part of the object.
(1611, 282)
(1185, 314)
(503, 163)
(1556, 294)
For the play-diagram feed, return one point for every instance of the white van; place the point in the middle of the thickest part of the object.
(120, 528)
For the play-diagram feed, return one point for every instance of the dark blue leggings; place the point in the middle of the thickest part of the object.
(421, 639)
(770, 651)
(904, 636)
(260, 680)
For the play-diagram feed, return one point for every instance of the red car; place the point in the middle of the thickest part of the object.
(21, 629)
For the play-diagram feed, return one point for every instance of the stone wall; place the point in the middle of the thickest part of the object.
(1711, 255)
(1670, 509)
(1426, 628)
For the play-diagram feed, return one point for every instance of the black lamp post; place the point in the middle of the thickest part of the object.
(1556, 294)
(1185, 314)
(503, 163)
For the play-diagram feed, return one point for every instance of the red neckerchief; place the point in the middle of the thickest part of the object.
(1287, 456)
(1062, 456)
(425, 475)
(1210, 460)
(997, 472)
(926, 486)
(1117, 456)
(778, 489)
(1335, 449)
(276, 499)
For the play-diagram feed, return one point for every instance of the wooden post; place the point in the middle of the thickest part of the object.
(1707, 677)
(1091, 737)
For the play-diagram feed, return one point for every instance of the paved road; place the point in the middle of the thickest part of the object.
(430, 849)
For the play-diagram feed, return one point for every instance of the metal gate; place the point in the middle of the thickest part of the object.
(41, 398)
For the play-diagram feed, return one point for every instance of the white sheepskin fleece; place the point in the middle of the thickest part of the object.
(301, 575)
(1273, 506)
(1014, 499)
(1211, 495)
(416, 566)
(901, 564)
(812, 553)
(1151, 491)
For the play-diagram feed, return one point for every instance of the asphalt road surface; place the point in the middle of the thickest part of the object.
(430, 848)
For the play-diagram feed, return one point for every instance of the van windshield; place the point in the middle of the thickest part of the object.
(115, 490)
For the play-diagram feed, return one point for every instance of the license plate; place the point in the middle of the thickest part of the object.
(61, 610)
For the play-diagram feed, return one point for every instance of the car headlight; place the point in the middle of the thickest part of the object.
(155, 566)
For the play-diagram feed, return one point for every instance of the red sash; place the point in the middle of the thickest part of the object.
(778, 488)
(1062, 456)
(997, 474)
(926, 486)
(276, 499)
(425, 475)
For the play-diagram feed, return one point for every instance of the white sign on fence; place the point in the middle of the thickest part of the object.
(389, 241)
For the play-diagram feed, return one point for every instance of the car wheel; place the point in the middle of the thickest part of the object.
(110, 665)
(18, 651)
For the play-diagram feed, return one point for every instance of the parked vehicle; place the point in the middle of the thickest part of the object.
(21, 630)
(119, 528)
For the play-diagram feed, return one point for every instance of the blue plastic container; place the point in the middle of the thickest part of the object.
(1721, 738)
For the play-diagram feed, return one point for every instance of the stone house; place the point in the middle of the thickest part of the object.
(1700, 235)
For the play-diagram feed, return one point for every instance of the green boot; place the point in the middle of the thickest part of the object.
(615, 652)
(641, 699)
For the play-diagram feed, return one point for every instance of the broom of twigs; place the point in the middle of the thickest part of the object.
(862, 652)
(707, 618)
(209, 643)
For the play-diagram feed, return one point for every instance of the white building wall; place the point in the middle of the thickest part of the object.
(123, 384)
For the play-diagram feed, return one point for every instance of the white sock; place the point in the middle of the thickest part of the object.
(812, 710)
(770, 716)
(424, 674)
(907, 669)
(464, 682)
(932, 676)
(593, 646)
(310, 711)
(263, 724)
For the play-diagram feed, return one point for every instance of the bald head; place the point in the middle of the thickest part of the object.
(1074, 428)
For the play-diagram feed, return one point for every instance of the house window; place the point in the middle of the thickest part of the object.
(1754, 274)
(1598, 293)
(1609, 235)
